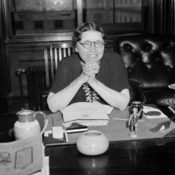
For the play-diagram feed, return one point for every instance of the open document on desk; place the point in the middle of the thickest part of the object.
(85, 113)
(22, 157)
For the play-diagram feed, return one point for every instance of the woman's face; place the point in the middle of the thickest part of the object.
(92, 54)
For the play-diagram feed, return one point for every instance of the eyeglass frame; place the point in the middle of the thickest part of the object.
(95, 42)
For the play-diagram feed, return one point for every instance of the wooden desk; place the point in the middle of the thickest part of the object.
(146, 156)
(127, 157)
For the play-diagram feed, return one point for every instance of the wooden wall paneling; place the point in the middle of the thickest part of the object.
(162, 16)
(162, 7)
(149, 16)
(166, 16)
(4, 75)
(167, 23)
(172, 17)
(157, 16)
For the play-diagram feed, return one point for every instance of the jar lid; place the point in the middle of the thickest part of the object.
(25, 116)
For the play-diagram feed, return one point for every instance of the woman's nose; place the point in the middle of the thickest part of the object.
(93, 47)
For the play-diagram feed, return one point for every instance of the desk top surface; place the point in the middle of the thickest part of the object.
(116, 129)
(148, 156)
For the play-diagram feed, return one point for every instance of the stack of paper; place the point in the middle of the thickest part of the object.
(89, 114)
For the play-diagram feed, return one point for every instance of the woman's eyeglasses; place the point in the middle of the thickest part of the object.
(88, 44)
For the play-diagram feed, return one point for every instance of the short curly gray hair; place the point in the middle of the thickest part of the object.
(88, 26)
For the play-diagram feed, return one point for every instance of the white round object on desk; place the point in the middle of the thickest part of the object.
(92, 143)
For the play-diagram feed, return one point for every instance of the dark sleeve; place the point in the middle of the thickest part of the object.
(118, 77)
(114, 73)
(62, 77)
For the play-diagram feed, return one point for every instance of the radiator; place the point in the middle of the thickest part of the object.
(36, 87)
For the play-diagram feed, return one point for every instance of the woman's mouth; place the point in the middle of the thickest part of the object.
(93, 56)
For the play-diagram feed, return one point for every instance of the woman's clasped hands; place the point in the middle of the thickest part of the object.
(90, 69)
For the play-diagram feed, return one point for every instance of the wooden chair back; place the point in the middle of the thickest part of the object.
(52, 55)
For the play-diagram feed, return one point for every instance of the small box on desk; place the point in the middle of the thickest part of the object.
(49, 140)
(55, 134)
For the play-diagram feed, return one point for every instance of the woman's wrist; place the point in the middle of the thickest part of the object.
(92, 80)
(82, 79)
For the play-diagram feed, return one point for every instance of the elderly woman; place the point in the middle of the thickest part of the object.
(91, 75)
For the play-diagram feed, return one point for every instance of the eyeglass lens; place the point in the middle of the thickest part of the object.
(88, 44)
